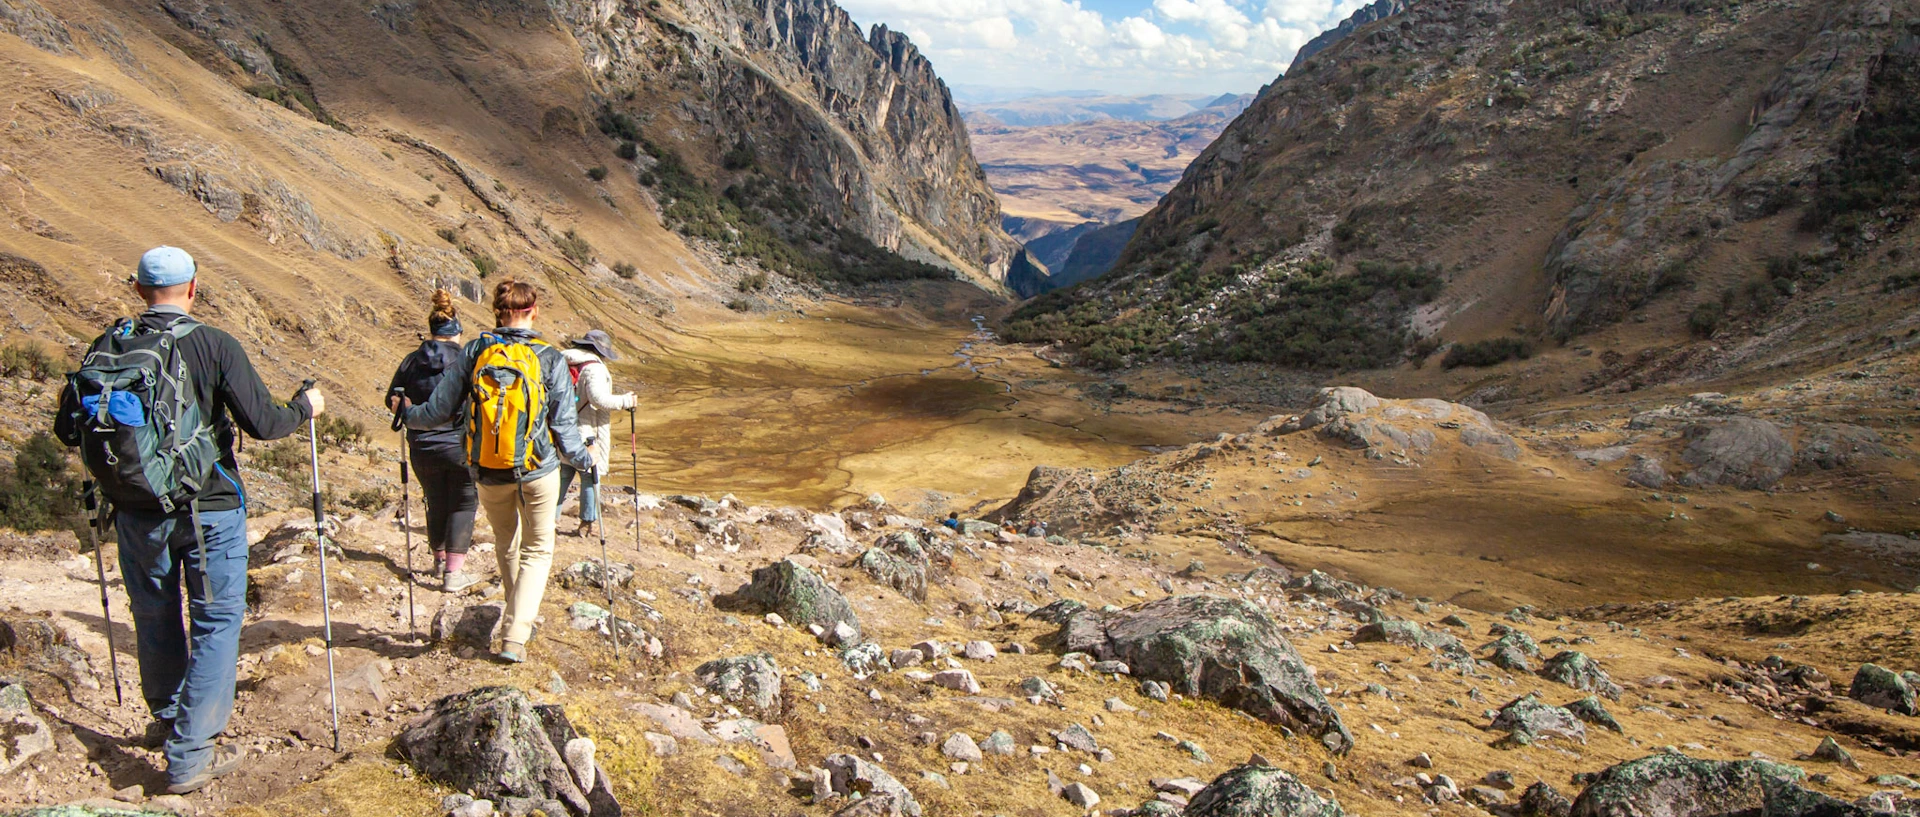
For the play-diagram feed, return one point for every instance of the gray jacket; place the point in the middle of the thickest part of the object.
(562, 424)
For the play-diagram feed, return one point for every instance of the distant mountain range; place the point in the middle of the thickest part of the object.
(1098, 160)
(1071, 107)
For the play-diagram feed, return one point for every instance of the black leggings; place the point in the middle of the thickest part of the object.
(451, 499)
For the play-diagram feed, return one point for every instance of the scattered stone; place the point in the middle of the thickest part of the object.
(980, 651)
(1155, 690)
(906, 658)
(1576, 670)
(1120, 706)
(1058, 612)
(586, 574)
(1831, 751)
(864, 659)
(1076, 736)
(753, 680)
(1421, 761)
(471, 626)
(998, 743)
(663, 745)
(1528, 719)
(1486, 796)
(1741, 451)
(799, 596)
(1248, 791)
(1226, 649)
(932, 650)
(1879, 687)
(957, 679)
(1193, 750)
(849, 774)
(1542, 800)
(1079, 795)
(960, 746)
(1110, 668)
(1035, 686)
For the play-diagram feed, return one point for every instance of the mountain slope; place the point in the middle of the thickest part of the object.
(1544, 169)
(328, 164)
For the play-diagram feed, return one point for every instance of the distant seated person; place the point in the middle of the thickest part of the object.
(952, 521)
(1037, 530)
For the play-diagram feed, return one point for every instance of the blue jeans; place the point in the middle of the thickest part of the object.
(589, 491)
(186, 673)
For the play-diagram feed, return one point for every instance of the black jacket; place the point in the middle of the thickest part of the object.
(418, 374)
(227, 389)
(563, 433)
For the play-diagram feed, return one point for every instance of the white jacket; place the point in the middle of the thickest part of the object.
(596, 404)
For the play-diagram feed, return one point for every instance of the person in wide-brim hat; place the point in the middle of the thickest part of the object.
(595, 403)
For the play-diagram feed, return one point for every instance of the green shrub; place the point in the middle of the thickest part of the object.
(625, 270)
(740, 156)
(285, 457)
(1487, 352)
(449, 235)
(597, 173)
(1705, 319)
(29, 360)
(627, 150)
(1878, 166)
(338, 432)
(575, 247)
(367, 499)
(483, 263)
(40, 493)
(433, 200)
(740, 305)
(753, 282)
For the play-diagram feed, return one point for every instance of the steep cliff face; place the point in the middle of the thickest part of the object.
(1544, 168)
(1372, 12)
(859, 124)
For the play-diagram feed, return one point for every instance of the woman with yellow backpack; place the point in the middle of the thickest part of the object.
(519, 405)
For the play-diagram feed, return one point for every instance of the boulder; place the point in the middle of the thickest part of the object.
(1577, 670)
(1259, 791)
(960, 746)
(799, 595)
(899, 561)
(1681, 786)
(1057, 612)
(586, 574)
(23, 734)
(492, 743)
(1528, 719)
(751, 680)
(33, 641)
(1220, 648)
(1741, 451)
(471, 626)
(864, 659)
(1880, 687)
(1647, 472)
(849, 774)
(1409, 634)
(1542, 800)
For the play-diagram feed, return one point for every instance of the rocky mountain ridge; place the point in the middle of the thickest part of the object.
(1606, 176)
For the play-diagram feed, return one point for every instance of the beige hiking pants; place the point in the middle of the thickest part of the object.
(522, 516)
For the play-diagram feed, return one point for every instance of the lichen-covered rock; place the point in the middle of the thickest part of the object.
(1259, 791)
(87, 810)
(865, 659)
(1741, 451)
(1542, 800)
(1577, 670)
(1528, 719)
(1681, 786)
(586, 574)
(1057, 612)
(849, 774)
(1409, 634)
(799, 595)
(1878, 686)
(492, 743)
(753, 680)
(1590, 709)
(1224, 649)
(34, 642)
(899, 561)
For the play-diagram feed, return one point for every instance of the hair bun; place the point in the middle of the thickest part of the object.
(442, 305)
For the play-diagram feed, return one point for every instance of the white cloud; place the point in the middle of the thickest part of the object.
(1160, 46)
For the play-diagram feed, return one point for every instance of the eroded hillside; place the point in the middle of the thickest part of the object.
(1688, 189)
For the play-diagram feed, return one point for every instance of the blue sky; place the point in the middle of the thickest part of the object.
(1122, 46)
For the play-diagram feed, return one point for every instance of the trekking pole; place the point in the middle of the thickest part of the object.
(633, 464)
(320, 535)
(93, 507)
(606, 565)
(406, 522)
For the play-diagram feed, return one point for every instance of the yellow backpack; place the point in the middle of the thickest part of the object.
(509, 407)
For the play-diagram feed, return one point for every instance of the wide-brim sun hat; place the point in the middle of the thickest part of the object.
(597, 342)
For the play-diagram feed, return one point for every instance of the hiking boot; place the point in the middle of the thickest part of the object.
(157, 733)
(512, 653)
(225, 760)
(585, 531)
(456, 582)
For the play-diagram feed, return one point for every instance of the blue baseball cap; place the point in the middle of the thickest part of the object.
(164, 266)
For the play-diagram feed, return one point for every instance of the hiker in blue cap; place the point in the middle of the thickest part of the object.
(155, 409)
